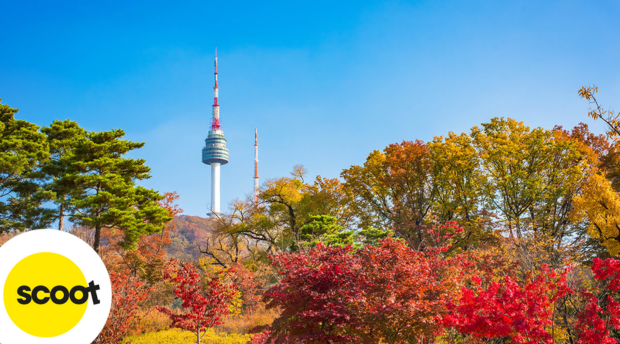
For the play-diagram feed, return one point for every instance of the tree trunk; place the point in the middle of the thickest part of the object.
(97, 237)
(198, 337)
(98, 225)
(61, 216)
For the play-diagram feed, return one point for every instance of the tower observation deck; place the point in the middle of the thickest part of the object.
(215, 152)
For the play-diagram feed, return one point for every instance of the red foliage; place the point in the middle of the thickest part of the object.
(314, 295)
(405, 290)
(127, 293)
(595, 322)
(246, 283)
(260, 338)
(521, 313)
(204, 307)
(609, 269)
(389, 292)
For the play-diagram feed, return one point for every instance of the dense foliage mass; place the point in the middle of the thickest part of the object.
(505, 234)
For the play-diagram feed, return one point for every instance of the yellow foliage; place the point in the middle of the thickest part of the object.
(152, 321)
(234, 308)
(186, 337)
(209, 266)
(530, 174)
(600, 205)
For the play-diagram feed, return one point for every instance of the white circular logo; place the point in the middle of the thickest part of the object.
(55, 289)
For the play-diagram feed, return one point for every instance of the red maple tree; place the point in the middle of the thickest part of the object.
(387, 292)
(314, 296)
(601, 314)
(248, 285)
(522, 313)
(203, 304)
(405, 290)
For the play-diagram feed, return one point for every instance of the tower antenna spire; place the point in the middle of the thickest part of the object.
(256, 188)
(215, 122)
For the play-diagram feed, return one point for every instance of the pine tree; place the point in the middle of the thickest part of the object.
(63, 138)
(22, 148)
(105, 194)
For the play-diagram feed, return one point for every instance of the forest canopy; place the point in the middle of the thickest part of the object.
(502, 234)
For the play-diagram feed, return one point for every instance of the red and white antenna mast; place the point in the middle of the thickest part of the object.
(215, 124)
(256, 187)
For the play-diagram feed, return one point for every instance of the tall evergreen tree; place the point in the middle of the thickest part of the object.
(105, 194)
(63, 137)
(22, 148)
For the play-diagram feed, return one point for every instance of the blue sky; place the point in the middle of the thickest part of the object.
(325, 82)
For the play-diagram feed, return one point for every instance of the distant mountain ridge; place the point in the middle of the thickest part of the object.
(189, 234)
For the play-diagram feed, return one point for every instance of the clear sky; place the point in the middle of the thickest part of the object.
(324, 81)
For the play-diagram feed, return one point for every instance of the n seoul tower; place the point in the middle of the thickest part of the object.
(215, 152)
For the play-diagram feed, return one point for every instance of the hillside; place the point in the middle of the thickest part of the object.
(190, 232)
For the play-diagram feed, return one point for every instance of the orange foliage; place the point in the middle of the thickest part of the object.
(148, 259)
(128, 292)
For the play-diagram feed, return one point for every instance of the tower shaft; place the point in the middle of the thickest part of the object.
(215, 187)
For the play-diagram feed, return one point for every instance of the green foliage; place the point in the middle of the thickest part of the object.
(186, 337)
(104, 192)
(63, 137)
(370, 235)
(22, 148)
(325, 229)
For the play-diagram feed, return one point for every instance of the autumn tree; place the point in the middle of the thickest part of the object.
(128, 293)
(550, 306)
(388, 292)
(282, 198)
(395, 188)
(204, 304)
(237, 235)
(147, 261)
(611, 118)
(459, 181)
(248, 286)
(598, 203)
(406, 290)
(314, 295)
(599, 321)
(326, 196)
(274, 224)
(530, 175)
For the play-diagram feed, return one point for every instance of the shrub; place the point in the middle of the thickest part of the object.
(248, 321)
(152, 321)
(128, 292)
